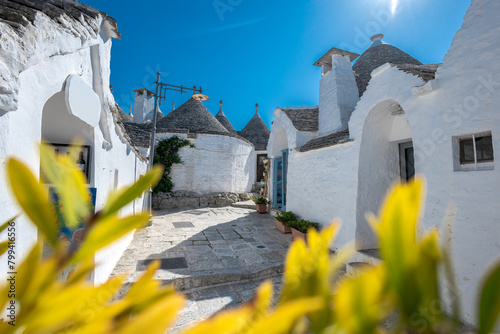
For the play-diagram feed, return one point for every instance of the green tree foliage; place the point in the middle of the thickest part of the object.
(167, 154)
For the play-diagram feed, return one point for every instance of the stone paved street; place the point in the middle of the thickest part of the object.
(217, 256)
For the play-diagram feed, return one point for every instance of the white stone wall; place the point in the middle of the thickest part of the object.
(21, 131)
(463, 100)
(216, 164)
(284, 135)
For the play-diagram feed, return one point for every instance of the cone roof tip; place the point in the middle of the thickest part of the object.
(377, 37)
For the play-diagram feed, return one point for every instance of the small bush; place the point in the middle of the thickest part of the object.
(286, 216)
(303, 225)
(260, 200)
(167, 154)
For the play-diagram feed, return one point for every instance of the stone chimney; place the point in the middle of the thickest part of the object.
(338, 92)
(144, 104)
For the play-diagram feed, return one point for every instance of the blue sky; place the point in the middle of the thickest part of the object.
(253, 51)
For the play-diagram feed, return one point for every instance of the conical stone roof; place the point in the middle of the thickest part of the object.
(256, 132)
(224, 121)
(377, 55)
(193, 116)
(124, 116)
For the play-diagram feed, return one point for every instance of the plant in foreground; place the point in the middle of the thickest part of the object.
(406, 282)
(286, 216)
(260, 200)
(303, 225)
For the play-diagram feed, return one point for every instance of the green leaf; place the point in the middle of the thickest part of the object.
(126, 195)
(33, 198)
(106, 231)
(489, 306)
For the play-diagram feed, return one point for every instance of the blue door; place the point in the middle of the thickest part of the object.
(280, 171)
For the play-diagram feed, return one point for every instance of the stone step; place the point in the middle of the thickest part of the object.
(205, 279)
(369, 256)
(353, 268)
(244, 205)
(363, 259)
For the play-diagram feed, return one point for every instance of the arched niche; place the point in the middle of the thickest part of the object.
(60, 127)
(385, 135)
(280, 142)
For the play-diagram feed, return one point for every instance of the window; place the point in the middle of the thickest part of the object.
(474, 152)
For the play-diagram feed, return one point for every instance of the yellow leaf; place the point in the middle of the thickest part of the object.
(224, 322)
(286, 315)
(358, 304)
(126, 195)
(307, 269)
(7, 223)
(146, 290)
(156, 318)
(78, 304)
(397, 229)
(264, 297)
(107, 230)
(33, 198)
(69, 182)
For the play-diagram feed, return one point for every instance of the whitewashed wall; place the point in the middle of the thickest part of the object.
(283, 135)
(21, 131)
(216, 164)
(463, 100)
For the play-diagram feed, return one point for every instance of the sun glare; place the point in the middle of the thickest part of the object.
(394, 6)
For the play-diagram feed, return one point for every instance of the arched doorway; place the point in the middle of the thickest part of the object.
(386, 156)
(279, 153)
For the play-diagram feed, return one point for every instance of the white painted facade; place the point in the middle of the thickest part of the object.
(338, 94)
(217, 164)
(34, 108)
(345, 181)
(144, 104)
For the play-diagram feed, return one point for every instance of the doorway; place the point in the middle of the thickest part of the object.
(280, 171)
(406, 161)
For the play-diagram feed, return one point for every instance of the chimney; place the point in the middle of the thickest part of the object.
(338, 92)
(143, 104)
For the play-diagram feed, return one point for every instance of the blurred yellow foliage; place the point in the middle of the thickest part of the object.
(406, 283)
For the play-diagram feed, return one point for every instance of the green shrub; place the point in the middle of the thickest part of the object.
(167, 154)
(260, 200)
(303, 225)
(286, 216)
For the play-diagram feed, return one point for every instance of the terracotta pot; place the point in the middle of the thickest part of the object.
(298, 235)
(281, 227)
(261, 208)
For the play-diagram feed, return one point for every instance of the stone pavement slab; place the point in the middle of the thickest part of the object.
(219, 245)
(228, 252)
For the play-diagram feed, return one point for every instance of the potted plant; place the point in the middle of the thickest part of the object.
(261, 204)
(283, 219)
(299, 228)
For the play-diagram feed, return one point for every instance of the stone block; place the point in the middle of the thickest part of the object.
(245, 196)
